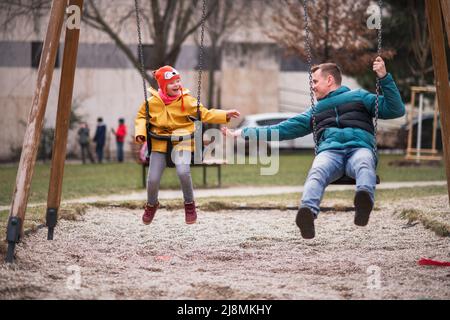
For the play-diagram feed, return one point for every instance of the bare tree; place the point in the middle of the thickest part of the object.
(226, 18)
(420, 46)
(338, 28)
(168, 22)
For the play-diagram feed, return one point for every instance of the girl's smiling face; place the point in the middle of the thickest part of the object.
(173, 88)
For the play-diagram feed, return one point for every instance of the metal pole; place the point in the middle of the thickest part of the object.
(435, 125)
(205, 183)
(419, 128)
(410, 125)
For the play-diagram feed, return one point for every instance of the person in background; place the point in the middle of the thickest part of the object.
(99, 139)
(120, 138)
(84, 141)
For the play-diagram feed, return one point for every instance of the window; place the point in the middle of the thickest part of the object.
(149, 53)
(36, 52)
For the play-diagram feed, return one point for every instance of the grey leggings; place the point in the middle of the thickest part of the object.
(156, 169)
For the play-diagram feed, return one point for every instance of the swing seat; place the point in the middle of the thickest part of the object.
(346, 180)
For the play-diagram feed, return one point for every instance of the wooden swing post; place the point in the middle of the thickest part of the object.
(34, 127)
(63, 116)
(435, 10)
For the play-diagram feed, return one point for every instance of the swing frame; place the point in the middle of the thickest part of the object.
(420, 153)
(436, 9)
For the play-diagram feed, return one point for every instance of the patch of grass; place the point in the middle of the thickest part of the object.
(73, 212)
(381, 196)
(394, 194)
(340, 199)
(98, 180)
(3, 221)
(435, 221)
(217, 205)
(79, 181)
(4, 214)
(132, 205)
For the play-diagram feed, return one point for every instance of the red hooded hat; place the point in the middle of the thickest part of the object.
(164, 76)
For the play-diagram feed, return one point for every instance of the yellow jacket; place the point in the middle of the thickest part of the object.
(170, 120)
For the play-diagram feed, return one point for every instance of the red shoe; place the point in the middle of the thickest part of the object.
(149, 213)
(190, 213)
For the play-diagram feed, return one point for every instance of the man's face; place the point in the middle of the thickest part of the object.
(173, 88)
(322, 84)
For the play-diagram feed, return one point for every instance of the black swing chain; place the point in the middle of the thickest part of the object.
(378, 90)
(309, 60)
(200, 59)
(142, 65)
(143, 73)
(198, 124)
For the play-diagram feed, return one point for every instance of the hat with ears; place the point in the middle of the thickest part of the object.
(164, 76)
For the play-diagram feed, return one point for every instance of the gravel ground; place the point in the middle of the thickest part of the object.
(109, 254)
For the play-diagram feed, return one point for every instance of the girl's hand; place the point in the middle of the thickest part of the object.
(231, 133)
(233, 114)
(140, 139)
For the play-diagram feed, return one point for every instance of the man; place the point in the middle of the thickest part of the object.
(345, 137)
(99, 139)
(84, 141)
(120, 138)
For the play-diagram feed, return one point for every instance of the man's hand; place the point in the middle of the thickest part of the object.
(233, 114)
(231, 133)
(140, 139)
(379, 67)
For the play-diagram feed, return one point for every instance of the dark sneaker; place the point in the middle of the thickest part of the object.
(363, 208)
(190, 213)
(305, 221)
(149, 213)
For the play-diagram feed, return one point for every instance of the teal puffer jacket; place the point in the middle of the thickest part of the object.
(391, 106)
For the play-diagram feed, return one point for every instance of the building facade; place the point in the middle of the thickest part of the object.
(253, 75)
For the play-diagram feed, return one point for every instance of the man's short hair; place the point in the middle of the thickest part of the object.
(100, 119)
(121, 120)
(329, 69)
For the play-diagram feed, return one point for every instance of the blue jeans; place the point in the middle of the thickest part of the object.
(330, 165)
(119, 151)
(99, 152)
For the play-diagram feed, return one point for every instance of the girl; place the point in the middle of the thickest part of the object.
(170, 107)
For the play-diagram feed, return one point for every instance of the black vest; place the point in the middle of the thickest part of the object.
(349, 115)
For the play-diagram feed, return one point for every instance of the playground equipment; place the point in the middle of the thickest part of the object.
(420, 153)
(435, 10)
